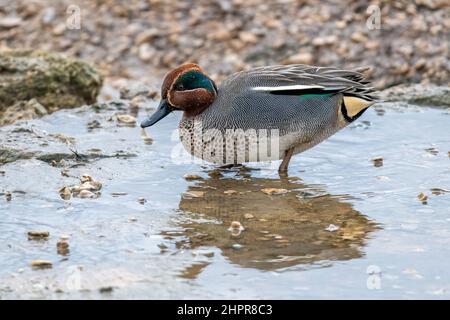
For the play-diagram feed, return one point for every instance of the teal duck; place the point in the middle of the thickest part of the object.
(267, 113)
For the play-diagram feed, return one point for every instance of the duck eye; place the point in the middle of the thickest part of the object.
(180, 87)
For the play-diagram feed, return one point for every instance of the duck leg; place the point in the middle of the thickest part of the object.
(285, 163)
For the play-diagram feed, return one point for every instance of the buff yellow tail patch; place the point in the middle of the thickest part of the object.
(354, 105)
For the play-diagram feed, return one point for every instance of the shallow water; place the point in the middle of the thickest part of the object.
(344, 228)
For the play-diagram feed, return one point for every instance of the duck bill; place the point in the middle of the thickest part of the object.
(163, 110)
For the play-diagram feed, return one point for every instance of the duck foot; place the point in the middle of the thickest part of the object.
(283, 169)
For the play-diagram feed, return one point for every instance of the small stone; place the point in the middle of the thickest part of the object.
(190, 177)
(341, 24)
(193, 194)
(62, 247)
(8, 196)
(64, 237)
(372, 45)
(358, 37)
(332, 228)
(235, 225)
(126, 119)
(422, 197)
(132, 219)
(59, 29)
(236, 228)
(146, 36)
(106, 289)
(248, 216)
(215, 174)
(248, 37)
(118, 194)
(439, 191)
(434, 30)
(303, 58)
(230, 192)
(142, 200)
(41, 264)
(146, 52)
(274, 191)
(377, 161)
(10, 22)
(65, 193)
(323, 41)
(86, 178)
(221, 35)
(86, 194)
(236, 246)
(34, 235)
(420, 64)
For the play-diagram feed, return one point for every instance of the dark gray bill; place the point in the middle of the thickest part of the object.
(163, 110)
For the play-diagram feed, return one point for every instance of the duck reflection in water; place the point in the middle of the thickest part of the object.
(297, 225)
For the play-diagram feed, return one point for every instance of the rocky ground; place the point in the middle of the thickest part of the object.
(143, 39)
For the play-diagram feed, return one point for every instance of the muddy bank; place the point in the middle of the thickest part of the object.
(141, 39)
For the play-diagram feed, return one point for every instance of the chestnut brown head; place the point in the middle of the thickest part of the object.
(185, 88)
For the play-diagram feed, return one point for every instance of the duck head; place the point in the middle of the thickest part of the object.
(186, 88)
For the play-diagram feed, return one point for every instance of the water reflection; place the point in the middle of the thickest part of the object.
(302, 226)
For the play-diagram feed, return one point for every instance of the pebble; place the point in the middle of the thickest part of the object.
(230, 192)
(117, 194)
(8, 196)
(248, 37)
(142, 200)
(274, 191)
(236, 246)
(332, 228)
(146, 52)
(86, 194)
(422, 197)
(126, 119)
(439, 191)
(65, 193)
(359, 37)
(34, 235)
(236, 228)
(190, 177)
(62, 247)
(377, 161)
(41, 264)
(248, 216)
(302, 58)
(236, 225)
(10, 22)
(193, 194)
(86, 178)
